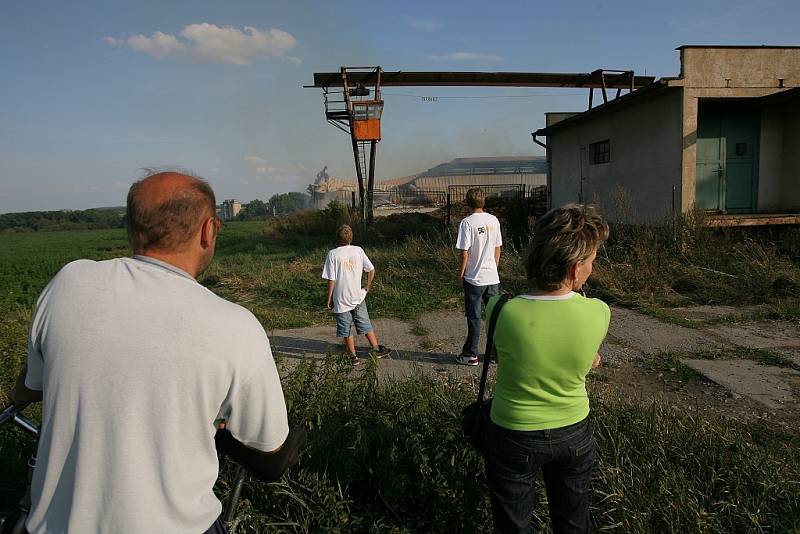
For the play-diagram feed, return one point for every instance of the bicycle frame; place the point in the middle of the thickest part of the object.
(13, 415)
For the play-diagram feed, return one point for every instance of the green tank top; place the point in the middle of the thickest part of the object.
(545, 348)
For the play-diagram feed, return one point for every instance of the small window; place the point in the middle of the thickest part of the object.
(600, 151)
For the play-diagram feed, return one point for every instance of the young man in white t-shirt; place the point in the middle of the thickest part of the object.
(343, 270)
(479, 242)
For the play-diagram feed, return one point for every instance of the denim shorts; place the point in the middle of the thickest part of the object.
(358, 315)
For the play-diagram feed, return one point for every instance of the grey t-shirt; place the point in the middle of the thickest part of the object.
(138, 362)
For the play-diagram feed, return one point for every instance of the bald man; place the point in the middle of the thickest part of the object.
(138, 365)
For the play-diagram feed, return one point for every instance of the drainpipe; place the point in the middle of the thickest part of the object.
(549, 169)
(544, 146)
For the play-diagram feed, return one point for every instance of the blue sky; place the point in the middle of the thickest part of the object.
(92, 92)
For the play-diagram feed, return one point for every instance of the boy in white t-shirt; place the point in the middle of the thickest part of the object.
(479, 242)
(343, 270)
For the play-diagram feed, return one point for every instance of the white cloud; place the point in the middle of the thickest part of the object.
(209, 42)
(423, 25)
(231, 45)
(158, 45)
(465, 56)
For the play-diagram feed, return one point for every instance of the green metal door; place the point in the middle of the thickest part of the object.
(710, 162)
(741, 163)
(727, 159)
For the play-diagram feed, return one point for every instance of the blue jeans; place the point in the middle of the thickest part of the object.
(474, 299)
(565, 456)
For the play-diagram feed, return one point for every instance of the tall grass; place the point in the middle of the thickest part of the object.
(685, 262)
(390, 457)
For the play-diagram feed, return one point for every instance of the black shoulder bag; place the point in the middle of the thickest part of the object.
(475, 417)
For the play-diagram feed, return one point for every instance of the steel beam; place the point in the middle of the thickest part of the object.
(614, 80)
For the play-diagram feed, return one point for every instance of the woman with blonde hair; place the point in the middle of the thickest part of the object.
(546, 342)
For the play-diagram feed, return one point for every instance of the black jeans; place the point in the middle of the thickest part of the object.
(565, 455)
(474, 299)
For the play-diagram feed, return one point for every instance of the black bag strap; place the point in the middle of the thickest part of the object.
(487, 355)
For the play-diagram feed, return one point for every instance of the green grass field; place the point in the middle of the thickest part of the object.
(388, 457)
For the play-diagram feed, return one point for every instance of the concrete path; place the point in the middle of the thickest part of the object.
(771, 386)
(433, 342)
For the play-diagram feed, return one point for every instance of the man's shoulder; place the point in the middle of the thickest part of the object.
(227, 311)
(77, 270)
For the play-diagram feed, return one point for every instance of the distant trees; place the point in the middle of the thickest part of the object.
(95, 218)
(288, 202)
(278, 204)
(100, 218)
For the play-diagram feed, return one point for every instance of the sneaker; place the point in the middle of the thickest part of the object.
(380, 351)
(354, 360)
(463, 359)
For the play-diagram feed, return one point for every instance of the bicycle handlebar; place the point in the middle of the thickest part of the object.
(12, 414)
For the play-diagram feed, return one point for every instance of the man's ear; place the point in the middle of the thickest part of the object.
(207, 232)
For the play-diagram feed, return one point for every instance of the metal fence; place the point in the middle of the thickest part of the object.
(409, 198)
(506, 201)
(499, 198)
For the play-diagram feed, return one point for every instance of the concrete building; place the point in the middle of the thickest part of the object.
(524, 170)
(431, 187)
(493, 172)
(723, 136)
(230, 209)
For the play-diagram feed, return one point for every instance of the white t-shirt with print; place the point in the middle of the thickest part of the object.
(346, 265)
(138, 362)
(479, 234)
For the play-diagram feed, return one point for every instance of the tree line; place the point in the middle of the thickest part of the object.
(95, 218)
(103, 218)
(279, 204)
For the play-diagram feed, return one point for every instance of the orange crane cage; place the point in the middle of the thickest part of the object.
(367, 120)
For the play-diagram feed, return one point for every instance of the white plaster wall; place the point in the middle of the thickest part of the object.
(740, 67)
(636, 185)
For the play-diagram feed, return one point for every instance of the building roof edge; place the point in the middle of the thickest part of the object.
(737, 46)
(610, 105)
